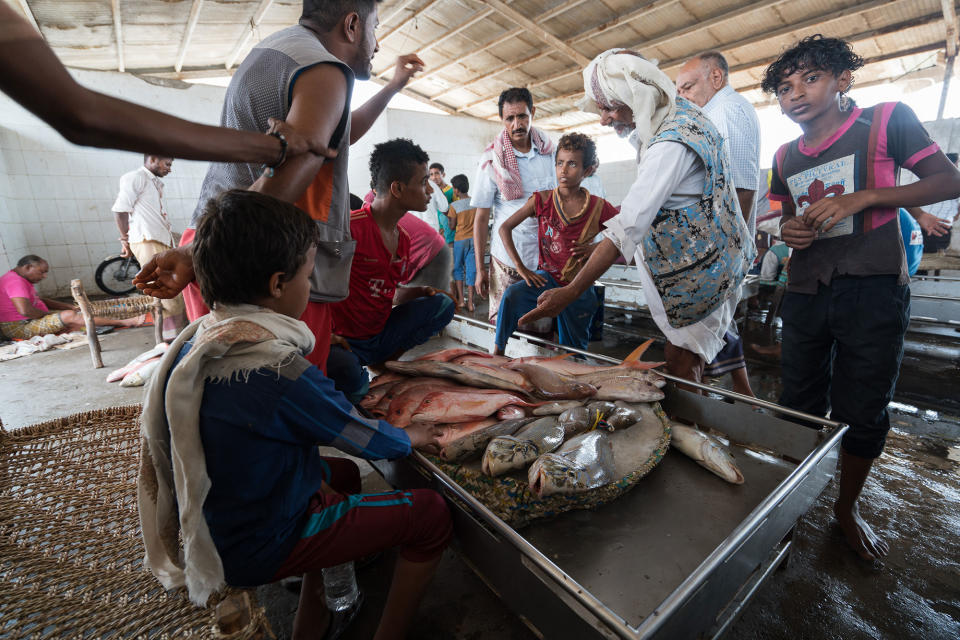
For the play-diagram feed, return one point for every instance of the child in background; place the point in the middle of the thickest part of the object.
(231, 426)
(847, 304)
(568, 219)
(461, 219)
(378, 320)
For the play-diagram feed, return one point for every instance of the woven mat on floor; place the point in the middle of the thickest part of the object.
(71, 558)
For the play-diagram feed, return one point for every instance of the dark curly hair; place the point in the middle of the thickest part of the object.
(245, 237)
(394, 160)
(582, 143)
(813, 52)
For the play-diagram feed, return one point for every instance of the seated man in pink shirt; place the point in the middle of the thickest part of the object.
(24, 314)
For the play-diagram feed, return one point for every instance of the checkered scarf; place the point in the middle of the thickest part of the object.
(500, 162)
(619, 77)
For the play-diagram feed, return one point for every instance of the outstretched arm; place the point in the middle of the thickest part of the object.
(552, 302)
(364, 117)
(31, 74)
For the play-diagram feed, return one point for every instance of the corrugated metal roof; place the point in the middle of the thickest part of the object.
(474, 48)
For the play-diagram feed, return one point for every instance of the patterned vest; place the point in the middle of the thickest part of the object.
(699, 254)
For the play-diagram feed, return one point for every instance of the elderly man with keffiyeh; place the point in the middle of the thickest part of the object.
(517, 164)
(680, 220)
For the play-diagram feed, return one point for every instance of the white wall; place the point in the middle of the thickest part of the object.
(455, 142)
(55, 197)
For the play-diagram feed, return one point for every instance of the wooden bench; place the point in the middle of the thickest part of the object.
(118, 308)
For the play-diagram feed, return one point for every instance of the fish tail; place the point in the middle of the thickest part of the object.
(639, 351)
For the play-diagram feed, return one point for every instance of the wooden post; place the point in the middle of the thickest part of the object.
(157, 321)
(947, 74)
(76, 288)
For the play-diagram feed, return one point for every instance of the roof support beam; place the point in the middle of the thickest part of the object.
(671, 65)
(406, 21)
(28, 14)
(595, 30)
(512, 33)
(950, 22)
(507, 11)
(188, 33)
(400, 8)
(118, 33)
(255, 21)
(477, 17)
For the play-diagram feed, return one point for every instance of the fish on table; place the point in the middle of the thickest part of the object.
(706, 451)
(403, 406)
(628, 388)
(512, 412)
(506, 453)
(633, 445)
(471, 443)
(469, 376)
(581, 463)
(551, 385)
(556, 408)
(462, 405)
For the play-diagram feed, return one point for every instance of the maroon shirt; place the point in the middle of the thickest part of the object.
(559, 231)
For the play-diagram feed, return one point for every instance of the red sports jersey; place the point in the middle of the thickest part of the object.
(559, 232)
(373, 279)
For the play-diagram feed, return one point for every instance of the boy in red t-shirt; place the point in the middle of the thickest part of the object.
(378, 320)
(568, 218)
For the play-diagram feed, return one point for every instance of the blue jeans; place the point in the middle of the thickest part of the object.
(463, 261)
(841, 353)
(573, 322)
(409, 324)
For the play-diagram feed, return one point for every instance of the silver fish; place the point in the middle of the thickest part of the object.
(584, 462)
(577, 420)
(623, 415)
(474, 443)
(556, 408)
(551, 385)
(706, 452)
(634, 445)
(628, 389)
(605, 407)
(506, 453)
(623, 371)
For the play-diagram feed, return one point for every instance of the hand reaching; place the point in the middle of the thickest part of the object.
(549, 305)
(167, 273)
(425, 436)
(298, 144)
(407, 66)
(932, 225)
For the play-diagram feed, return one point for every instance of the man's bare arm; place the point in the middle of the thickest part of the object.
(24, 308)
(319, 96)
(480, 220)
(123, 225)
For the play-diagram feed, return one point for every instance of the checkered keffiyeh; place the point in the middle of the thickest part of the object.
(500, 161)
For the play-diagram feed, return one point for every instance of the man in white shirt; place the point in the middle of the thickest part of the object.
(145, 228)
(516, 164)
(704, 81)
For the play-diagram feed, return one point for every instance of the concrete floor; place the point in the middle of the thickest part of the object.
(913, 497)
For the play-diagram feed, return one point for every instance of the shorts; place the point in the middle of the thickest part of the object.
(26, 329)
(347, 526)
(729, 359)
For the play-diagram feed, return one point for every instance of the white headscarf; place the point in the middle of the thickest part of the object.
(622, 77)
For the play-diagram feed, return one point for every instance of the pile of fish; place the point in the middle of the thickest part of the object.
(572, 426)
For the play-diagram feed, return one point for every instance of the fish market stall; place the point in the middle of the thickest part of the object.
(678, 555)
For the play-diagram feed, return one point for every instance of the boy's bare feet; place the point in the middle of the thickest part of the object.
(859, 535)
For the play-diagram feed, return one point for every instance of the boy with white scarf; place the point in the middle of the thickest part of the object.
(231, 425)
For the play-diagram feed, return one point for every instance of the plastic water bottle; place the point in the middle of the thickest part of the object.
(340, 586)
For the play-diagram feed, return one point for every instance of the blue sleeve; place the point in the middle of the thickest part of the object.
(313, 411)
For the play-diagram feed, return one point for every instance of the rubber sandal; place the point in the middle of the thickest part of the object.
(340, 620)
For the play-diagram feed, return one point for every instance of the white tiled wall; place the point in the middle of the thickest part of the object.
(55, 197)
(453, 141)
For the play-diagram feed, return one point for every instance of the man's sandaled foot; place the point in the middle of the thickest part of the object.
(860, 536)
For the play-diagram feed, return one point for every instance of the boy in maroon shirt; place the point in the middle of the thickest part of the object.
(847, 304)
(568, 219)
(378, 320)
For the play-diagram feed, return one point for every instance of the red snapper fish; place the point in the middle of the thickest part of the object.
(461, 406)
(402, 407)
(448, 355)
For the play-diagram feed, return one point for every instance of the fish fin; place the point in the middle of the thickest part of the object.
(642, 364)
(639, 351)
(562, 356)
